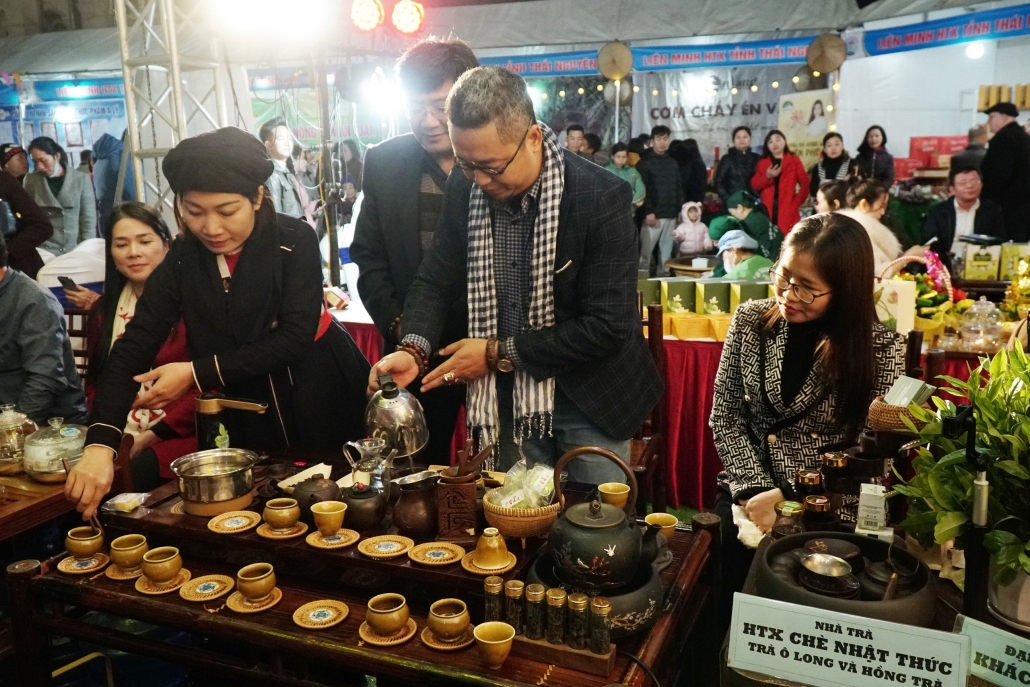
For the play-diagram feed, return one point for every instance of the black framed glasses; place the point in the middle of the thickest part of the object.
(470, 168)
(803, 293)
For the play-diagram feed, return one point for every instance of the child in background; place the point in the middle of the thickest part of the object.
(692, 233)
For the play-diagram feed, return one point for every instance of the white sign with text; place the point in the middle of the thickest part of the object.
(999, 657)
(818, 647)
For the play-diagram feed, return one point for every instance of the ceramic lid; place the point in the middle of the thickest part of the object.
(817, 504)
(789, 509)
(11, 418)
(578, 601)
(595, 515)
(808, 476)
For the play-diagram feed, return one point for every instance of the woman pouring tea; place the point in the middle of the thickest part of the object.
(247, 284)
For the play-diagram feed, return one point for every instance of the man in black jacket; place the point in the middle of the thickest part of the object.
(403, 185)
(1006, 170)
(543, 249)
(661, 176)
(963, 212)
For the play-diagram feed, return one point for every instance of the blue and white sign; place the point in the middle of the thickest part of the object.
(75, 125)
(989, 25)
(79, 89)
(781, 51)
(581, 63)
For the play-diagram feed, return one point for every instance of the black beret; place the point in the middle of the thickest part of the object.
(1003, 108)
(228, 160)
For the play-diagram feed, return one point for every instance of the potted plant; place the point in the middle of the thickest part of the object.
(941, 492)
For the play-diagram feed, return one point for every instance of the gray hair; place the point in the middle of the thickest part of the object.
(976, 132)
(491, 94)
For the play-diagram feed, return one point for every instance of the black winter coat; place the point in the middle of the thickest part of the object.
(734, 172)
(1006, 172)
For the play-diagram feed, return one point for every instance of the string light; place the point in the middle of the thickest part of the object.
(367, 14)
(754, 88)
(636, 89)
(796, 79)
(833, 127)
(600, 87)
(654, 92)
(816, 73)
(836, 86)
(733, 90)
(715, 91)
(829, 108)
(561, 94)
(407, 16)
(775, 84)
(543, 96)
(675, 92)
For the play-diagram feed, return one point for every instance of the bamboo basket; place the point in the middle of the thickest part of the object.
(884, 417)
(520, 523)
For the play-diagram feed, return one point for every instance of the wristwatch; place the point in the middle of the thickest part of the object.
(504, 363)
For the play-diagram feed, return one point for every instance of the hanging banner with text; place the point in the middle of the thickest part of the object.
(581, 63)
(781, 51)
(989, 25)
(700, 104)
(818, 647)
(78, 89)
(804, 120)
(998, 657)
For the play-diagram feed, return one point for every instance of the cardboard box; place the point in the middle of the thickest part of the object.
(896, 306)
(712, 297)
(1011, 254)
(905, 167)
(982, 262)
(650, 291)
(678, 294)
(690, 326)
(743, 291)
(922, 146)
(949, 145)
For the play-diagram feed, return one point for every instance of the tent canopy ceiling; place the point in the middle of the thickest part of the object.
(501, 25)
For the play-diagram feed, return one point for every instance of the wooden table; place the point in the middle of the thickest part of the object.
(268, 648)
(29, 504)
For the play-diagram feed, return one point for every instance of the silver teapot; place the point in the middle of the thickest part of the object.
(395, 416)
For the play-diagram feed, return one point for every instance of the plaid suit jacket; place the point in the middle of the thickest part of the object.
(595, 351)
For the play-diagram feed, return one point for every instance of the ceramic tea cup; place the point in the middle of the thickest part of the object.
(614, 493)
(162, 564)
(83, 542)
(664, 520)
(255, 581)
(448, 619)
(494, 642)
(127, 551)
(387, 613)
(491, 551)
(281, 514)
(328, 516)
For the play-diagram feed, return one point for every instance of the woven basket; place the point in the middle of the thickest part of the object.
(905, 259)
(884, 417)
(521, 523)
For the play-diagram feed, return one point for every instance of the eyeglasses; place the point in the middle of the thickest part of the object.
(417, 114)
(803, 293)
(470, 168)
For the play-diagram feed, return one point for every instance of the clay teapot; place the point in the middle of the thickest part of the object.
(415, 513)
(595, 546)
(366, 507)
(311, 491)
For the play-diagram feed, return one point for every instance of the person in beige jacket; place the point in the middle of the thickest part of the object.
(867, 203)
(64, 193)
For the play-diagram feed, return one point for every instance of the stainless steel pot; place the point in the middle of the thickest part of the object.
(218, 474)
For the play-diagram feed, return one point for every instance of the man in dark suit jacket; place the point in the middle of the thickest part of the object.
(403, 184)
(978, 215)
(1006, 170)
(542, 221)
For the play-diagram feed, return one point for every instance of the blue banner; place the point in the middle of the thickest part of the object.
(778, 51)
(582, 63)
(8, 94)
(989, 25)
(79, 89)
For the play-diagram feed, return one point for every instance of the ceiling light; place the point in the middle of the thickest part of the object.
(367, 14)
(407, 16)
(775, 84)
(754, 88)
(975, 50)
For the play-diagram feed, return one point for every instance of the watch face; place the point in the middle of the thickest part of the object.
(505, 365)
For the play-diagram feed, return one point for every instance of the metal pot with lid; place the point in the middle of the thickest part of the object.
(47, 449)
(396, 416)
(215, 481)
(595, 545)
(14, 427)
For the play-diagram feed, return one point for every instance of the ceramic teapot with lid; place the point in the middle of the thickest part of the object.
(396, 416)
(595, 546)
(312, 491)
(14, 427)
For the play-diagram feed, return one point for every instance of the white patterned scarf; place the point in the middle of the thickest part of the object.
(533, 400)
(140, 419)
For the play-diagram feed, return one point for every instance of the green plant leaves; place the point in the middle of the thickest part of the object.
(949, 525)
(1013, 468)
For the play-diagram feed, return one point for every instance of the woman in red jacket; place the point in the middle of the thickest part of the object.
(781, 180)
(137, 242)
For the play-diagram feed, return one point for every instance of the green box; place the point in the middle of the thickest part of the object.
(982, 262)
(744, 291)
(709, 290)
(1011, 254)
(681, 288)
(650, 291)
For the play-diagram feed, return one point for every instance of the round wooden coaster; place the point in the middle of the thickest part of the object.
(385, 546)
(145, 586)
(207, 587)
(237, 603)
(113, 572)
(341, 539)
(268, 533)
(318, 615)
(178, 509)
(430, 640)
(74, 566)
(234, 522)
(436, 553)
(372, 637)
(467, 563)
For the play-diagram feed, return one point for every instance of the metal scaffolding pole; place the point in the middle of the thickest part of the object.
(173, 89)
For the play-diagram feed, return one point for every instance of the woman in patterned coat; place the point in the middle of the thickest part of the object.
(798, 372)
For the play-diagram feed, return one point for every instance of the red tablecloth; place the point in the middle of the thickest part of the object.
(367, 337)
(690, 368)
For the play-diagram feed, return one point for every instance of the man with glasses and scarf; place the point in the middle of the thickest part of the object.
(403, 185)
(541, 245)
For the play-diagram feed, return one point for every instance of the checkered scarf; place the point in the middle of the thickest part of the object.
(533, 400)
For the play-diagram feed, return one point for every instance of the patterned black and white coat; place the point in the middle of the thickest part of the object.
(760, 440)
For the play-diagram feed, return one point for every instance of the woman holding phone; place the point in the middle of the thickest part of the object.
(781, 181)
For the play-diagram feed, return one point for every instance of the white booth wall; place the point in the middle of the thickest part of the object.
(931, 92)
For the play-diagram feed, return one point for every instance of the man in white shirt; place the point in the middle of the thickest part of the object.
(964, 212)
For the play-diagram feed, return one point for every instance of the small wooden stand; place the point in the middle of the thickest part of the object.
(564, 655)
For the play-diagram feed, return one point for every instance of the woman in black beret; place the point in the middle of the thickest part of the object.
(247, 283)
